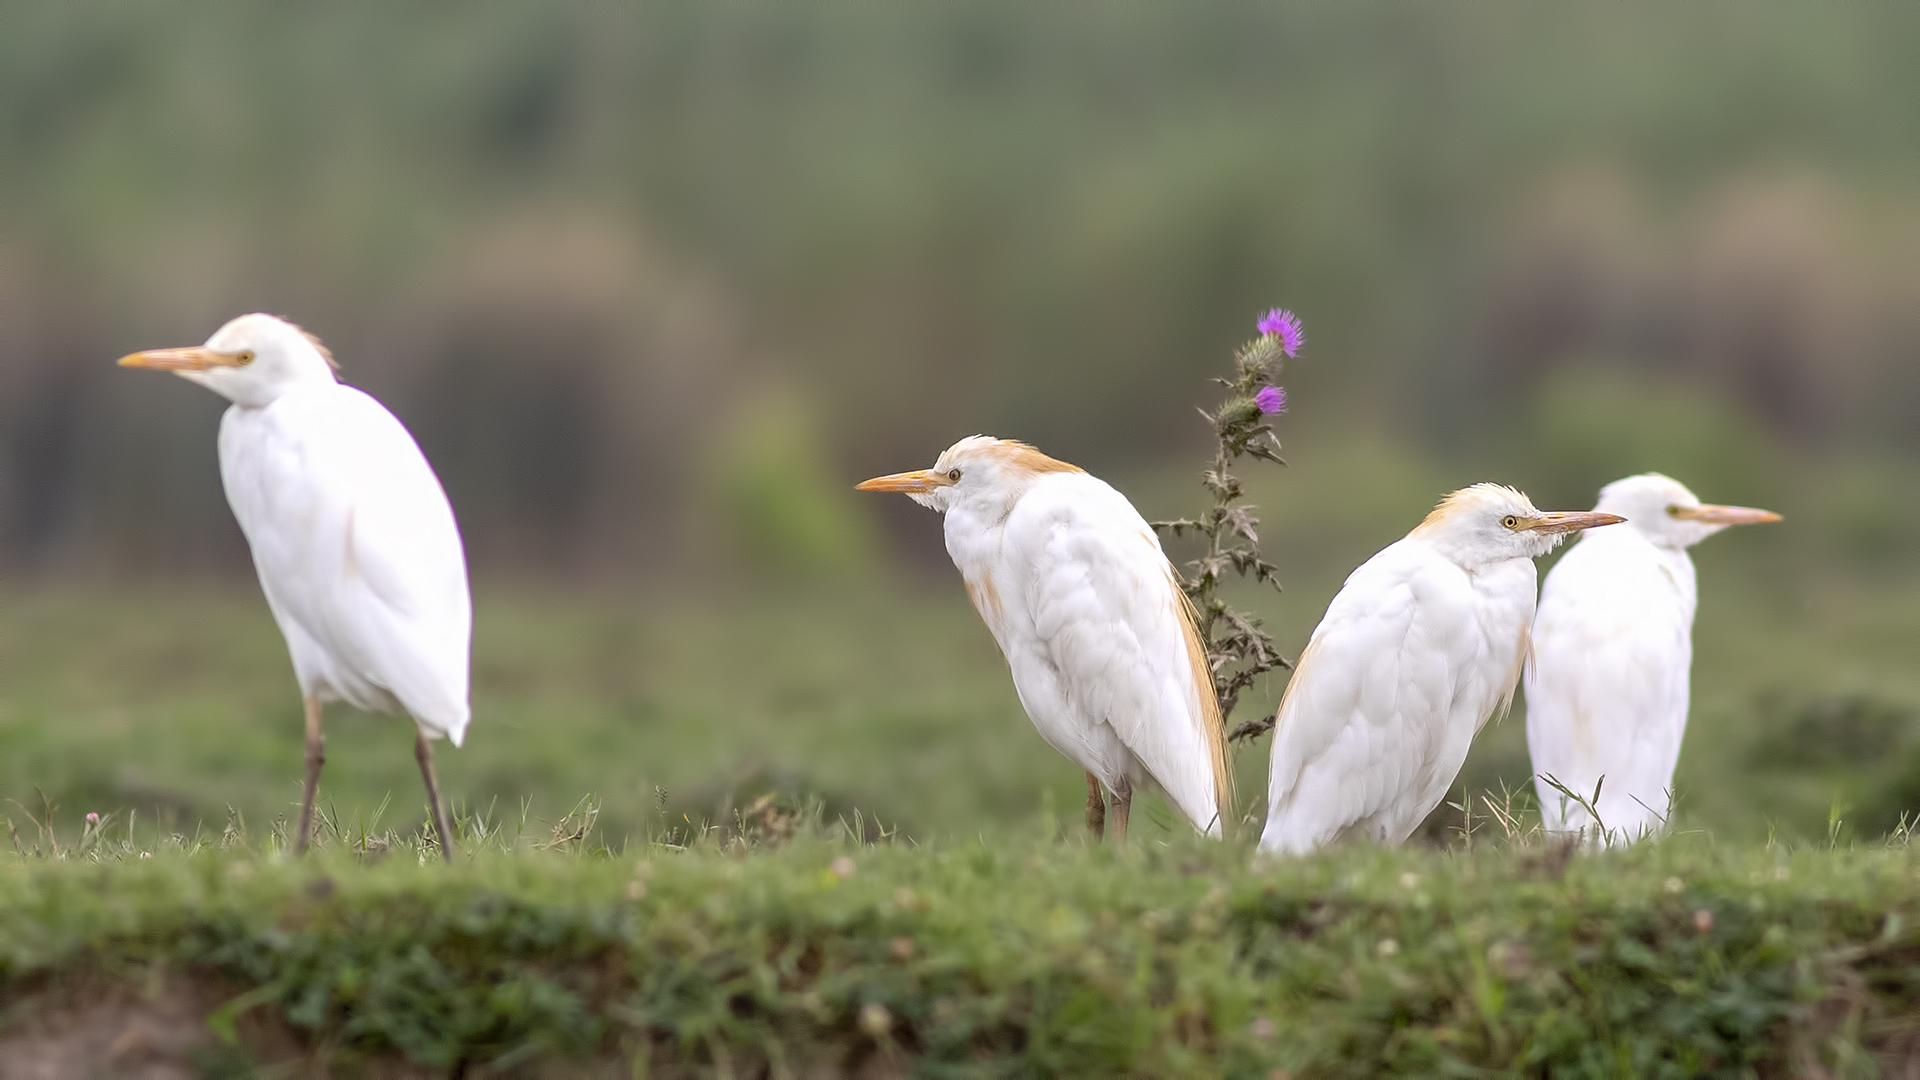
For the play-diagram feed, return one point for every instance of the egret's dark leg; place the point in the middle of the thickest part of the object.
(316, 757)
(1122, 804)
(1096, 809)
(423, 752)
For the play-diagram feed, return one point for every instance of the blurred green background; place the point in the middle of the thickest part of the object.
(653, 286)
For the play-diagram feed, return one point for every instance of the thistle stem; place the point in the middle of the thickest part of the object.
(1243, 651)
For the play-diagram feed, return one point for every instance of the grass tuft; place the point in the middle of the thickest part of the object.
(790, 943)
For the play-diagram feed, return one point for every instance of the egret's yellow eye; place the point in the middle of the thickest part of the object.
(1510, 521)
(244, 357)
(954, 475)
(1673, 511)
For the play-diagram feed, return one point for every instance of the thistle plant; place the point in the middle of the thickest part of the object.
(1239, 650)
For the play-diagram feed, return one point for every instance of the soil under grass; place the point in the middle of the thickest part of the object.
(824, 956)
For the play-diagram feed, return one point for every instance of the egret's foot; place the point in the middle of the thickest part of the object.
(423, 752)
(1122, 804)
(316, 757)
(1096, 808)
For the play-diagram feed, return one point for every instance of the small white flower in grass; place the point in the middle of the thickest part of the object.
(1510, 958)
(1389, 947)
(875, 1020)
(1674, 885)
(842, 867)
(1409, 880)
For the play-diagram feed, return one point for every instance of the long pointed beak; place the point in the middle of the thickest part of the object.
(1562, 522)
(1709, 514)
(186, 358)
(917, 482)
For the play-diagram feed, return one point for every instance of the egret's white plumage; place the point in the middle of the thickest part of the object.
(1607, 691)
(1422, 645)
(352, 536)
(1075, 589)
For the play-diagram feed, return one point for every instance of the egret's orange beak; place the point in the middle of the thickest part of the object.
(1560, 522)
(186, 358)
(1709, 514)
(917, 482)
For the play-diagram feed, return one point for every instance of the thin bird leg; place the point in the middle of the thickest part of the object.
(1096, 809)
(423, 752)
(1122, 804)
(316, 757)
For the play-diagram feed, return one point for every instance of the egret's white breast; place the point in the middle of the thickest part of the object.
(1607, 692)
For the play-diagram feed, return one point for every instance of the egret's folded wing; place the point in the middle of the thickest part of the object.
(1113, 624)
(1346, 699)
(404, 547)
(1354, 727)
(351, 526)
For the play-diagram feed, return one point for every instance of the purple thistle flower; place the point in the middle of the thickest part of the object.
(1271, 399)
(93, 819)
(1287, 325)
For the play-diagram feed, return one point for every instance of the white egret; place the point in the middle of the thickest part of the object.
(1072, 583)
(1421, 646)
(352, 536)
(1612, 648)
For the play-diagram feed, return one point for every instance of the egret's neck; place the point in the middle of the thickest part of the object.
(973, 533)
(974, 525)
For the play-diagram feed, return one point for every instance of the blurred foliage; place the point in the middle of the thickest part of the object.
(774, 500)
(553, 238)
(1863, 744)
(1594, 424)
(1893, 805)
(1851, 730)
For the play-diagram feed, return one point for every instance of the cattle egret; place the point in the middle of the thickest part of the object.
(351, 533)
(1422, 645)
(1612, 645)
(1072, 584)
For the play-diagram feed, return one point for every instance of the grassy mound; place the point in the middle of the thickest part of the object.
(825, 955)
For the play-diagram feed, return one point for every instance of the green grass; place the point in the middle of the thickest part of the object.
(1025, 956)
(977, 932)
(887, 696)
(181, 702)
